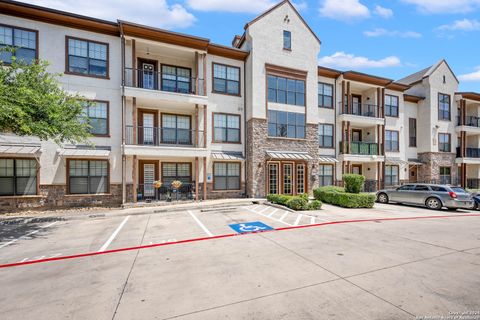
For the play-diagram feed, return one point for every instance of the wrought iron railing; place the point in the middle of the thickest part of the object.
(361, 148)
(361, 109)
(152, 136)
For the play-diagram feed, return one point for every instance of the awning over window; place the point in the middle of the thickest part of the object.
(99, 152)
(227, 156)
(414, 162)
(23, 149)
(327, 159)
(395, 161)
(288, 155)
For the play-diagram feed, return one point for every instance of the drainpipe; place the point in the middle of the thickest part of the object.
(124, 160)
(245, 123)
(335, 104)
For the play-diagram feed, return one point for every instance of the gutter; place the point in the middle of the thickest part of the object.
(124, 160)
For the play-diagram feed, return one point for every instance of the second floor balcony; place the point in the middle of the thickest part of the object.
(164, 137)
(470, 153)
(360, 148)
(470, 121)
(361, 109)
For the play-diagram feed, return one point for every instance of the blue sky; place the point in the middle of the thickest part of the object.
(387, 38)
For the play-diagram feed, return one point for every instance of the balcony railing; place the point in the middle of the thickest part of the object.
(152, 80)
(473, 183)
(471, 153)
(360, 109)
(361, 148)
(470, 121)
(151, 136)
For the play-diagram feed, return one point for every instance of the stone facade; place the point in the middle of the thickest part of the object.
(54, 196)
(212, 194)
(258, 143)
(430, 170)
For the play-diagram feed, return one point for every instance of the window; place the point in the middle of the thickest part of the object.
(391, 175)
(325, 95)
(300, 178)
(176, 79)
(391, 141)
(406, 188)
(97, 114)
(87, 58)
(176, 171)
(444, 144)
(391, 106)
(325, 132)
(22, 41)
(18, 177)
(445, 175)
(287, 40)
(286, 91)
(438, 189)
(226, 128)
(286, 124)
(326, 175)
(87, 176)
(421, 188)
(412, 132)
(443, 106)
(226, 176)
(226, 79)
(273, 178)
(176, 129)
(287, 178)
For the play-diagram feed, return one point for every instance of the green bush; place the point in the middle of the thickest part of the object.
(304, 196)
(278, 199)
(314, 205)
(343, 199)
(353, 183)
(297, 203)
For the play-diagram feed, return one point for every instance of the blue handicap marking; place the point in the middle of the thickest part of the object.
(246, 227)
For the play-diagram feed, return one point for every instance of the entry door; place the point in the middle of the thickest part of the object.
(288, 178)
(357, 169)
(356, 135)
(147, 79)
(148, 174)
(148, 128)
(356, 105)
(413, 174)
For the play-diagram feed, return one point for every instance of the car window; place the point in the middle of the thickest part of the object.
(459, 190)
(405, 188)
(421, 188)
(436, 188)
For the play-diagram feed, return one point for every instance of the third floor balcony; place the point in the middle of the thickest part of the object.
(470, 124)
(364, 113)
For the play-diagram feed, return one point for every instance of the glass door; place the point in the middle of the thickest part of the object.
(148, 75)
(287, 178)
(148, 128)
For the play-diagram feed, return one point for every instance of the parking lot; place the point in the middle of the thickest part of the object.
(391, 262)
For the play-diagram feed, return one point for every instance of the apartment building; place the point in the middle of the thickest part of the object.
(255, 118)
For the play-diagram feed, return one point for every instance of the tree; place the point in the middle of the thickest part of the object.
(32, 103)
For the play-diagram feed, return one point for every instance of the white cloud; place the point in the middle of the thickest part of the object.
(247, 6)
(379, 32)
(445, 6)
(344, 10)
(383, 12)
(471, 77)
(349, 61)
(158, 13)
(461, 25)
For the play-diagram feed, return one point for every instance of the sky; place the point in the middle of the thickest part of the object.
(389, 38)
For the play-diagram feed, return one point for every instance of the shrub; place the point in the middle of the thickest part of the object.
(304, 196)
(314, 205)
(343, 199)
(353, 183)
(297, 203)
(278, 199)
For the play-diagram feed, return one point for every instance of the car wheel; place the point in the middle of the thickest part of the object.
(433, 203)
(382, 198)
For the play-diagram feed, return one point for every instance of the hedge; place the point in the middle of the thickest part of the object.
(353, 183)
(297, 203)
(337, 196)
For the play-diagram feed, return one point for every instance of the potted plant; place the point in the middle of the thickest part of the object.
(175, 186)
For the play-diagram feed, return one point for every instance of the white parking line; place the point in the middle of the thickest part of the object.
(28, 234)
(297, 221)
(114, 234)
(200, 223)
(284, 215)
(266, 216)
(312, 220)
(272, 213)
(264, 210)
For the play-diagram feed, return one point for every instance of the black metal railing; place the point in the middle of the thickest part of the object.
(470, 153)
(473, 183)
(152, 136)
(361, 109)
(147, 192)
(168, 82)
(361, 148)
(470, 121)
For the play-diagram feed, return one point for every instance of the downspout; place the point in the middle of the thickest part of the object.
(335, 104)
(124, 160)
(245, 123)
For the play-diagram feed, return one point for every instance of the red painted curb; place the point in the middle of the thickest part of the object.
(91, 254)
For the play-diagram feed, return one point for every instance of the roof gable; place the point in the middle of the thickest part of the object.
(425, 73)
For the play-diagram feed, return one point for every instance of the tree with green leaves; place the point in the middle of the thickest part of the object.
(32, 103)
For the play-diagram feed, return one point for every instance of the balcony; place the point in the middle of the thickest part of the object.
(361, 148)
(164, 86)
(471, 125)
(471, 153)
(150, 141)
(361, 113)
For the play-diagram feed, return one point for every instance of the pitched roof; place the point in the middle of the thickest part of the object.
(277, 6)
(425, 73)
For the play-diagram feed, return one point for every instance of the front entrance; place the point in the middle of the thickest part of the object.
(357, 169)
(356, 135)
(286, 178)
(147, 176)
(413, 174)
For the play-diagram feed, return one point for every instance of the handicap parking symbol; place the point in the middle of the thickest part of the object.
(247, 227)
